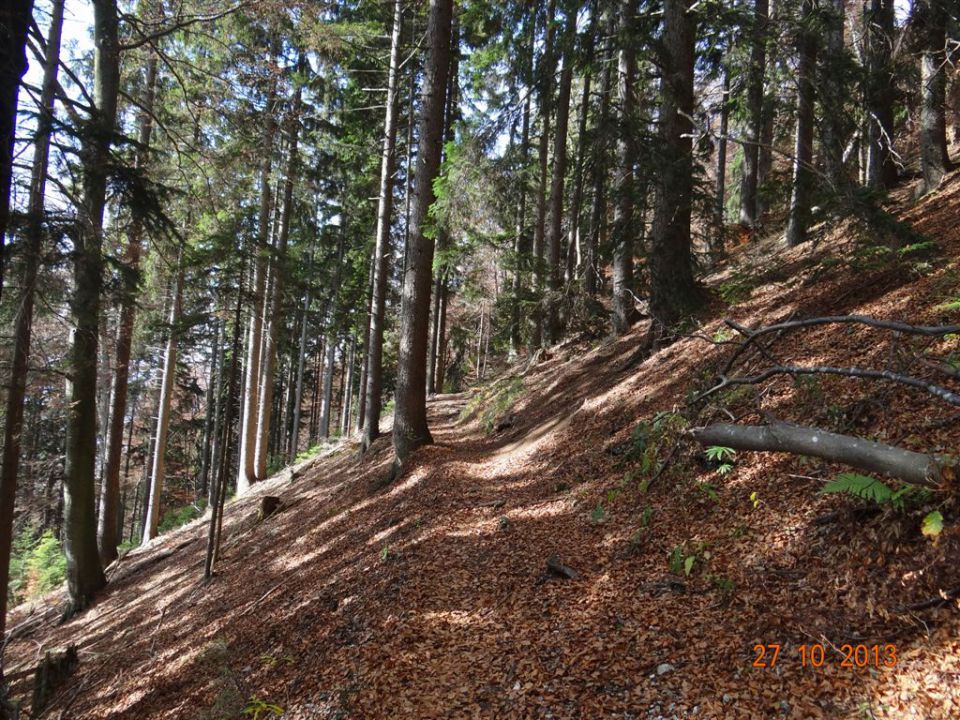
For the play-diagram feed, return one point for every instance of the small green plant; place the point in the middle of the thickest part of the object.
(308, 453)
(598, 513)
(722, 457)
(385, 553)
(272, 660)
(722, 335)
(932, 525)
(871, 489)
(681, 563)
(709, 490)
(181, 516)
(646, 516)
(675, 560)
(258, 709)
(612, 495)
(724, 584)
(755, 500)
(949, 306)
(918, 248)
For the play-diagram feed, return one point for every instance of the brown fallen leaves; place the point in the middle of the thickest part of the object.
(426, 598)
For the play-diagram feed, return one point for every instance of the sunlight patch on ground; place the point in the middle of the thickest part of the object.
(550, 508)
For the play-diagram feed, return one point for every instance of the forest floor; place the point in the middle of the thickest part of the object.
(431, 597)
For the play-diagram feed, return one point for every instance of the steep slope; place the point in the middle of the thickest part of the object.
(431, 597)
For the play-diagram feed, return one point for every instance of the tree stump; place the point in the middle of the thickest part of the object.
(269, 504)
(56, 667)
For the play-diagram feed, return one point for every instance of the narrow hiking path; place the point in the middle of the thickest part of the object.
(430, 598)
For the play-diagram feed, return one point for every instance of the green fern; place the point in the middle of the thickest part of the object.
(718, 453)
(861, 486)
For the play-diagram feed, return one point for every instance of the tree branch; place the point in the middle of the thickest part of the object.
(906, 465)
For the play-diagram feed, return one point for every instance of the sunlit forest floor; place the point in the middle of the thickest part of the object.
(431, 597)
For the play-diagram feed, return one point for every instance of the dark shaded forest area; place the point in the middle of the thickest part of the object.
(474, 359)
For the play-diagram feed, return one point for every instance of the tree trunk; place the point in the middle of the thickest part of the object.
(23, 317)
(247, 472)
(383, 249)
(434, 333)
(442, 337)
(592, 277)
(14, 21)
(301, 357)
(410, 421)
(222, 458)
(327, 400)
(274, 305)
(834, 92)
(521, 241)
(213, 381)
(164, 410)
(443, 234)
(673, 292)
(574, 251)
(800, 200)
(84, 573)
(880, 93)
(106, 524)
(545, 77)
(934, 160)
(718, 239)
(749, 208)
(554, 229)
(623, 312)
(346, 402)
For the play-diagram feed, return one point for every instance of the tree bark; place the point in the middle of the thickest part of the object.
(554, 229)
(15, 18)
(222, 458)
(574, 250)
(23, 317)
(934, 160)
(592, 277)
(275, 303)
(800, 200)
(164, 410)
(880, 94)
(301, 358)
(383, 249)
(721, 193)
(326, 400)
(905, 465)
(346, 403)
(545, 77)
(109, 493)
(521, 241)
(410, 421)
(749, 208)
(247, 471)
(673, 291)
(623, 312)
(834, 91)
(382, 252)
(84, 573)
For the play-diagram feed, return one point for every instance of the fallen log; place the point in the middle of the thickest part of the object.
(906, 465)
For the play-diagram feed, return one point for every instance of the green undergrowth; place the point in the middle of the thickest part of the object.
(493, 402)
(37, 566)
(181, 516)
